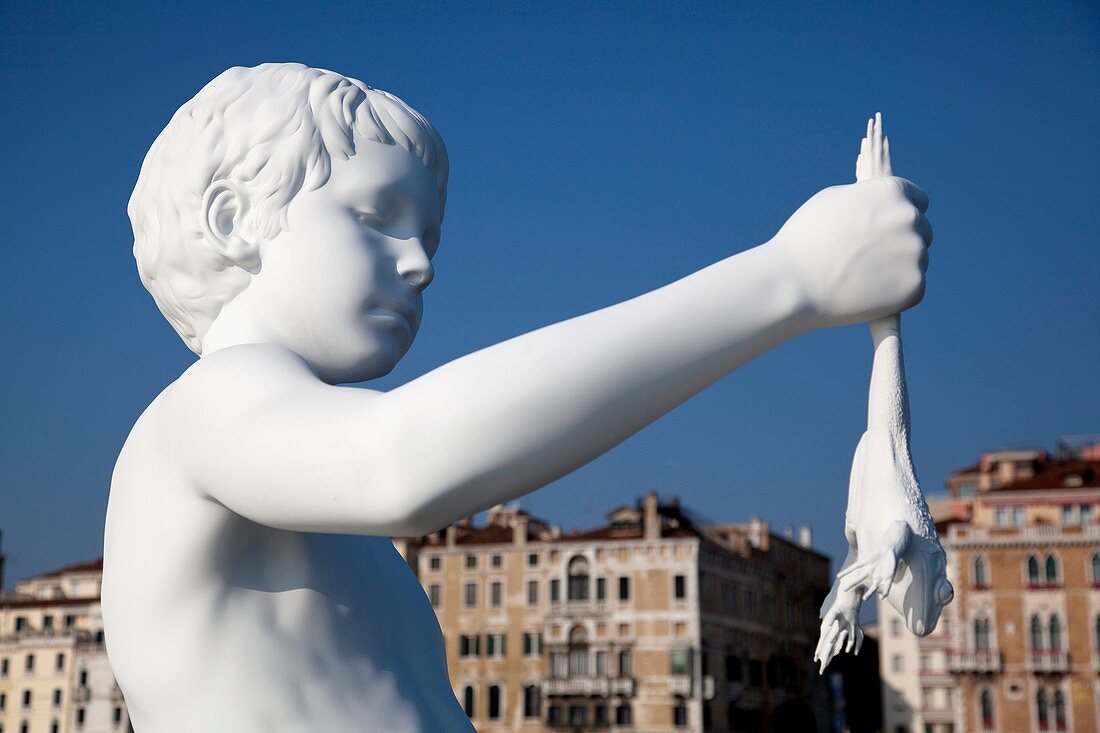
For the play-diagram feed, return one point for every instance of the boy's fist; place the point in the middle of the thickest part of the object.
(859, 250)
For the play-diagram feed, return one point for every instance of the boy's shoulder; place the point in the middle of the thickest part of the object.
(237, 375)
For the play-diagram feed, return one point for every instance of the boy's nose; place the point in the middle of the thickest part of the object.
(413, 265)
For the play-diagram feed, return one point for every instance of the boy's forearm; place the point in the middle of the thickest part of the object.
(510, 418)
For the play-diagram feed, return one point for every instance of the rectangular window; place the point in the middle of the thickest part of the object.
(532, 592)
(533, 560)
(469, 645)
(601, 716)
(20, 623)
(3, 701)
(435, 595)
(553, 715)
(494, 645)
(601, 589)
(496, 594)
(4, 667)
(26, 698)
(59, 662)
(1069, 514)
(623, 715)
(1000, 516)
(29, 664)
(70, 621)
(624, 588)
(47, 622)
(559, 665)
(497, 561)
(532, 644)
(679, 587)
(80, 716)
(601, 664)
(578, 716)
(678, 661)
(679, 715)
(435, 562)
(57, 698)
(471, 561)
(1018, 516)
(469, 595)
(898, 663)
(555, 590)
(626, 663)
(116, 716)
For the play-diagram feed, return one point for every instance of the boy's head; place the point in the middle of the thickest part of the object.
(217, 183)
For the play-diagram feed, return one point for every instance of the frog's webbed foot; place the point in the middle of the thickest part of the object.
(840, 629)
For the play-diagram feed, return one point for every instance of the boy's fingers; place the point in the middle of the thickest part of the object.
(924, 229)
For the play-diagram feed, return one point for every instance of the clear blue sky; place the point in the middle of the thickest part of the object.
(598, 151)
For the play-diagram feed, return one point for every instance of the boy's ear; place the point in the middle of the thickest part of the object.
(224, 207)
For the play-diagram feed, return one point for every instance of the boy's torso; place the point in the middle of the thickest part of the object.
(217, 623)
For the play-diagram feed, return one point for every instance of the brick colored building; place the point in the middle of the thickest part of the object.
(1019, 649)
(54, 673)
(651, 622)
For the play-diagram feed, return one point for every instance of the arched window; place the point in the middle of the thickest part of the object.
(1041, 710)
(1055, 633)
(494, 702)
(1032, 570)
(1059, 710)
(981, 634)
(578, 579)
(1036, 632)
(468, 701)
(1052, 570)
(532, 702)
(981, 579)
(1096, 569)
(986, 704)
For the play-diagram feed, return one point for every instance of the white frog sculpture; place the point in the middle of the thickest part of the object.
(893, 548)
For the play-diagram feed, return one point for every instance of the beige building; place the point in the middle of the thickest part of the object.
(1019, 649)
(54, 674)
(652, 622)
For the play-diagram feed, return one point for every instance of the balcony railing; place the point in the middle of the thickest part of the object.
(623, 686)
(680, 685)
(1048, 661)
(578, 608)
(584, 686)
(979, 661)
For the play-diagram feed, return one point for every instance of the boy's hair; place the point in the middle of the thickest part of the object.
(272, 131)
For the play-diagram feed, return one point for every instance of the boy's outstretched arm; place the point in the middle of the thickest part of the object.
(268, 440)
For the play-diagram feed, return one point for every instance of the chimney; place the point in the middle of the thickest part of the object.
(652, 522)
(805, 536)
(788, 533)
(555, 532)
(452, 535)
(759, 534)
(519, 529)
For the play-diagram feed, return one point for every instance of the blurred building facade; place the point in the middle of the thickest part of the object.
(54, 673)
(652, 622)
(1019, 648)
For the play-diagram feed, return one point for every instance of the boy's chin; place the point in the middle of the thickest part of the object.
(373, 366)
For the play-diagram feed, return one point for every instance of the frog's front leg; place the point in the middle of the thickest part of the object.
(875, 572)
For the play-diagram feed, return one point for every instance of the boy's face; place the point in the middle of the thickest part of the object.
(341, 285)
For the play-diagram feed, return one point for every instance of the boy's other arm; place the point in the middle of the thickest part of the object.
(291, 452)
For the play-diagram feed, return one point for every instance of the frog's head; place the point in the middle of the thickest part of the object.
(922, 589)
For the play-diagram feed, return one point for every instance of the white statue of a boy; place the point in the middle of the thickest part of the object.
(285, 222)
